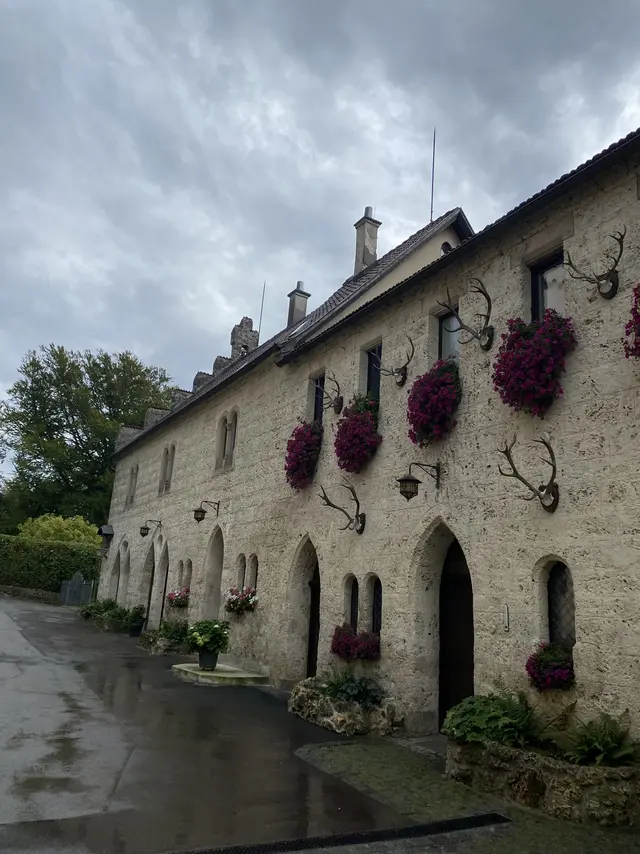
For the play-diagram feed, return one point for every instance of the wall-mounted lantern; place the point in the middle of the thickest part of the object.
(199, 513)
(144, 529)
(409, 483)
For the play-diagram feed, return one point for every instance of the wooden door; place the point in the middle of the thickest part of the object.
(314, 622)
(456, 631)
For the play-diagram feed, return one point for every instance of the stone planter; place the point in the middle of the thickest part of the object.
(207, 660)
(586, 794)
(308, 703)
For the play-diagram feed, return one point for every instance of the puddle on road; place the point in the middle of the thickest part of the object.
(45, 783)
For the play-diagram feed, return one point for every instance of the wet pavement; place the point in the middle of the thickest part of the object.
(104, 751)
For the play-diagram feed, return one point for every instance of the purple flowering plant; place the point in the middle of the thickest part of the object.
(433, 400)
(350, 645)
(530, 362)
(551, 666)
(303, 450)
(357, 438)
(632, 328)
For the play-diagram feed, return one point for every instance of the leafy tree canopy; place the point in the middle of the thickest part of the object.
(59, 424)
(74, 529)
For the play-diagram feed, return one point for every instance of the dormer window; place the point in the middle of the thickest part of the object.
(446, 248)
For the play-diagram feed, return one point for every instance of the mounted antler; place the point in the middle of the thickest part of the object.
(485, 334)
(333, 401)
(399, 374)
(357, 521)
(610, 277)
(549, 494)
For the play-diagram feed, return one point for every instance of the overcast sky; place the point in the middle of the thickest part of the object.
(159, 159)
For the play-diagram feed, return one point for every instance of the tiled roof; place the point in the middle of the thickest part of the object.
(350, 290)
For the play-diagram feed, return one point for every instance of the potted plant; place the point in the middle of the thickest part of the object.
(433, 401)
(303, 450)
(135, 621)
(208, 638)
(178, 598)
(357, 438)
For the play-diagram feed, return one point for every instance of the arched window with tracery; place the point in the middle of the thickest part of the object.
(561, 607)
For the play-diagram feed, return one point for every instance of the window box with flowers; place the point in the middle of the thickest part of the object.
(238, 601)
(350, 645)
(632, 328)
(551, 667)
(433, 401)
(178, 598)
(357, 438)
(530, 362)
(303, 450)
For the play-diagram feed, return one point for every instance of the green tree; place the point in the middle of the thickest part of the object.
(59, 425)
(73, 529)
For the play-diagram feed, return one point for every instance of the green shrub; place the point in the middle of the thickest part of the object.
(344, 685)
(44, 564)
(507, 720)
(97, 608)
(174, 631)
(603, 741)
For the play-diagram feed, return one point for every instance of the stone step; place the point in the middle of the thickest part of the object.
(222, 675)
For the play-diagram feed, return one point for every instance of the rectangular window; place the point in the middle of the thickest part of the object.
(448, 341)
(547, 287)
(374, 357)
(318, 398)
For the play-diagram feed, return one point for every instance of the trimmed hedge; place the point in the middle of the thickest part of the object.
(44, 564)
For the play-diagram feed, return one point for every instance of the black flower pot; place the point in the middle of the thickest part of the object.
(136, 631)
(207, 660)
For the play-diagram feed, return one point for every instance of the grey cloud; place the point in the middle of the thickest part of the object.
(159, 160)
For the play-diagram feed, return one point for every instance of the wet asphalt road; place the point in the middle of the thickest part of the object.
(103, 750)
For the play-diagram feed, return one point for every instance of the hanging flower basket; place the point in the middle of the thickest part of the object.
(350, 645)
(357, 436)
(530, 362)
(632, 329)
(238, 601)
(303, 450)
(433, 401)
(551, 666)
(178, 598)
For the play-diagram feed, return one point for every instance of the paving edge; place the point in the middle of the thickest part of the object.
(412, 831)
(215, 678)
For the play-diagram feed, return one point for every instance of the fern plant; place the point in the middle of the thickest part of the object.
(497, 718)
(344, 685)
(602, 741)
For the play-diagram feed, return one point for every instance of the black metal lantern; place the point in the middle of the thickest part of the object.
(408, 486)
(144, 529)
(199, 513)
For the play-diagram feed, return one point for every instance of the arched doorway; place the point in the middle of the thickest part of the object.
(114, 578)
(455, 680)
(123, 590)
(159, 589)
(313, 635)
(146, 585)
(304, 599)
(214, 562)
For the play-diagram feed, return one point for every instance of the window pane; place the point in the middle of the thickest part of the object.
(353, 604)
(376, 616)
(562, 612)
(318, 399)
(373, 371)
(553, 288)
(448, 345)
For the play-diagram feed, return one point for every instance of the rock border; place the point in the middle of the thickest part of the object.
(309, 703)
(584, 794)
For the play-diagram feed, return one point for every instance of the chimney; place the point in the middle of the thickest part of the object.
(297, 304)
(366, 240)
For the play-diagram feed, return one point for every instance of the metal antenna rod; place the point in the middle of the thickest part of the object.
(433, 170)
(264, 287)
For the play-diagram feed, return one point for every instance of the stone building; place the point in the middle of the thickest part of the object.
(465, 579)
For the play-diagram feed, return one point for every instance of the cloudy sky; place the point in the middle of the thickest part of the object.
(160, 159)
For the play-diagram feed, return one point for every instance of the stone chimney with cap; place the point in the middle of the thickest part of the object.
(366, 240)
(297, 304)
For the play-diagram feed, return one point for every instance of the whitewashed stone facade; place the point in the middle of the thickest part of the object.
(509, 544)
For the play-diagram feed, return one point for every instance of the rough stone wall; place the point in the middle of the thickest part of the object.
(508, 543)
